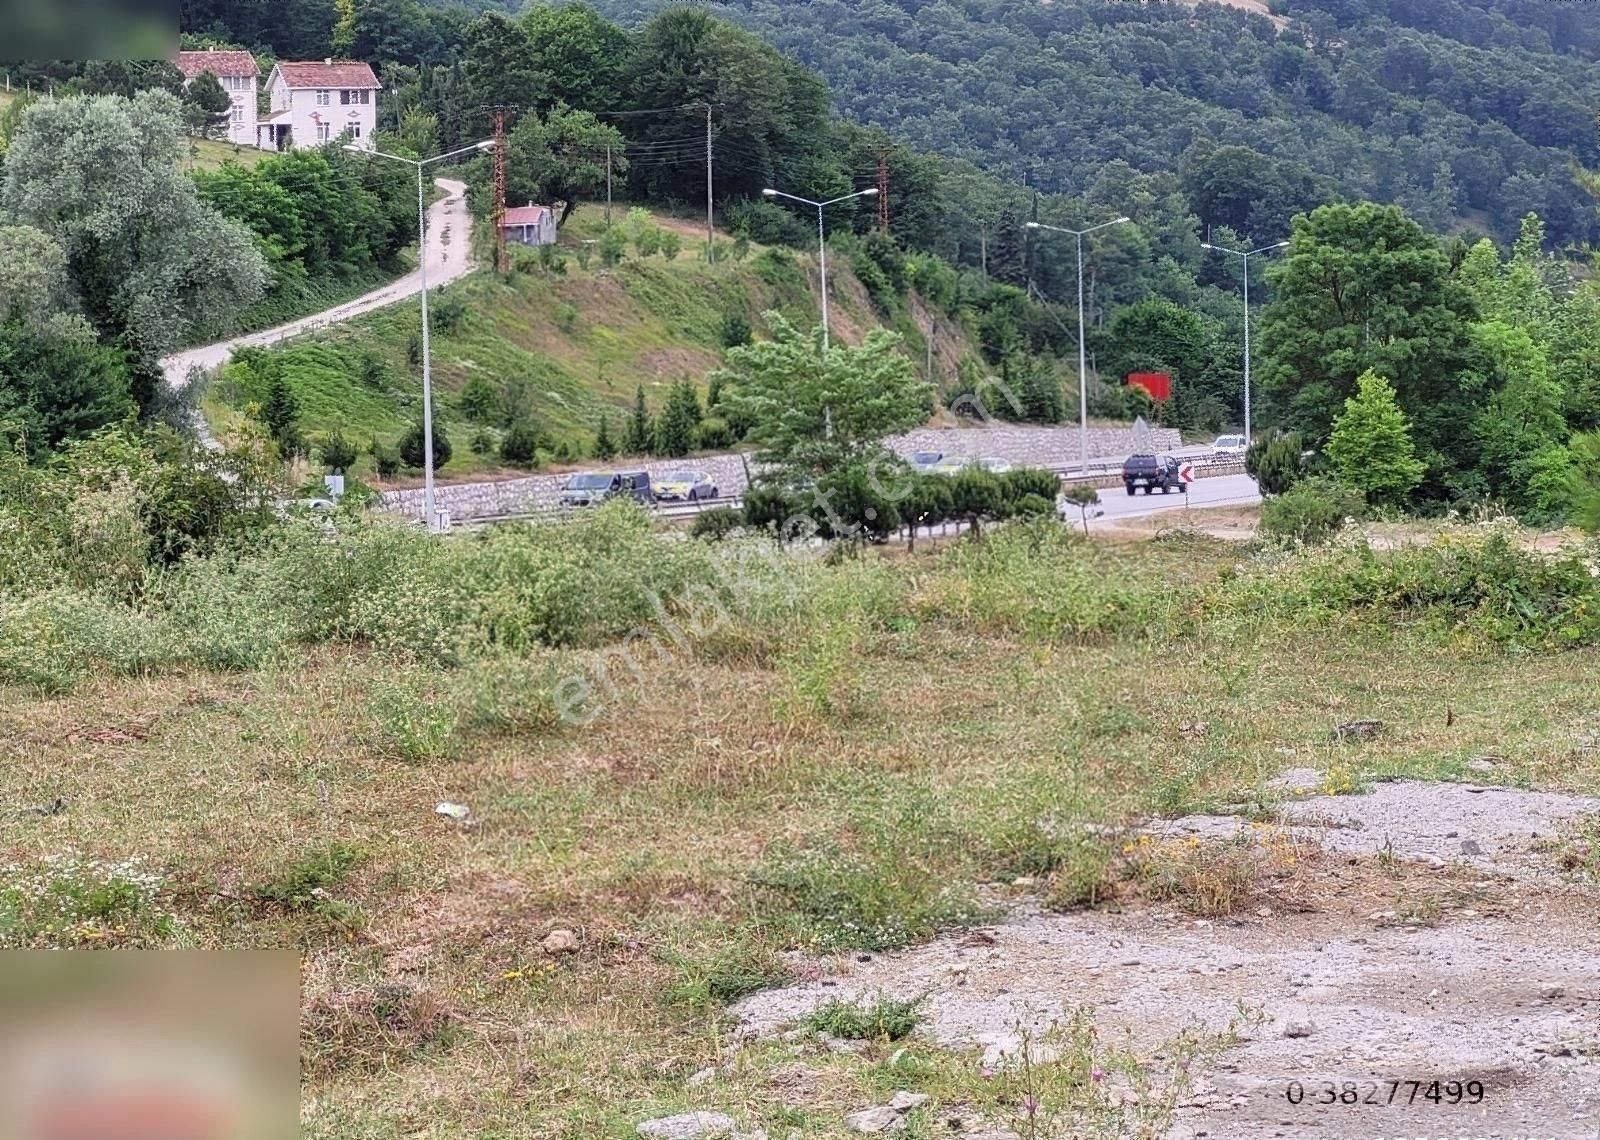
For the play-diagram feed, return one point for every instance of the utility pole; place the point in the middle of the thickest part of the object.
(1245, 256)
(500, 190)
(711, 233)
(1083, 365)
(883, 193)
(608, 186)
(983, 248)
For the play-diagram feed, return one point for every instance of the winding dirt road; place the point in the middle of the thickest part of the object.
(448, 257)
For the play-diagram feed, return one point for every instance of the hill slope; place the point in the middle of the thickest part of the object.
(1448, 108)
(560, 349)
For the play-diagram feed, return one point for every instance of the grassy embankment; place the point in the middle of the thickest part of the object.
(850, 760)
(566, 347)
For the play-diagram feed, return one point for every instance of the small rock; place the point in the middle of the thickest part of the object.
(1552, 990)
(874, 1120)
(688, 1126)
(903, 1101)
(863, 957)
(1024, 881)
(1299, 1029)
(1358, 730)
(454, 811)
(1264, 912)
(560, 942)
(1469, 914)
(701, 1077)
(1470, 847)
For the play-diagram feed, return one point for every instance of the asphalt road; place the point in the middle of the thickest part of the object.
(1220, 491)
(448, 257)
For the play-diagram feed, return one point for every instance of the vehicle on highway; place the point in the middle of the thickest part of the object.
(1151, 472)
(950, 465)
(924, 461)
(995, 466)
(591, 488)
(1231, 446)
(684, 486)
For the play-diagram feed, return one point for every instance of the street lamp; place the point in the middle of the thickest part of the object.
(1246, 256)
(429, 517)
(822, 247)
(1083, 371)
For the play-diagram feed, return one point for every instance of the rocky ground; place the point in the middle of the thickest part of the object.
(1425, 962)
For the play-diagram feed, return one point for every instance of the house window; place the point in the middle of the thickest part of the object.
(365, 97)
(238, 114)
(322, 98)
(344, 98)
(355, 130)
(324, 132)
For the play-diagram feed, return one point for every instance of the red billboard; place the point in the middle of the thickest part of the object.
(1158, 384)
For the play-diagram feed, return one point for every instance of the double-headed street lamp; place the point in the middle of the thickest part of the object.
(822, 245)
(1246, 255)
(429, 517)
(1083, 371)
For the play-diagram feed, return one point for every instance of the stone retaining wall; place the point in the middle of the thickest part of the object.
(1030, 446)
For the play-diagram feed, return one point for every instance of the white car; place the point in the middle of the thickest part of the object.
(1229, 445)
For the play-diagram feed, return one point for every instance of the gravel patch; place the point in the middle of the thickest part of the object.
(1503, 990)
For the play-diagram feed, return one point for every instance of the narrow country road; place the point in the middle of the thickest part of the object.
(448, 257)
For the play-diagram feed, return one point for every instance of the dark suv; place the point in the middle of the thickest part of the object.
(1150, 472)
(591, 488)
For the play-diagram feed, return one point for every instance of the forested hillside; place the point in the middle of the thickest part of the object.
(1461, 112)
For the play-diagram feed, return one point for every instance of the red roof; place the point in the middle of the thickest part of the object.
(219, 63)
(329, 73)
(526, 215)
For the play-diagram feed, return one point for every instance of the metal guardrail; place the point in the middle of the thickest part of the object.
(1101, 474)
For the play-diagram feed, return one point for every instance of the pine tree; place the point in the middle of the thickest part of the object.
(280, 412)
(604, 446)
(1006, 257)
(1370, 446)
(675, 431)
(641, 431)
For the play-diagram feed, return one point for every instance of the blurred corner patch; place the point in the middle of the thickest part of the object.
(149, 1045)
(32, 30)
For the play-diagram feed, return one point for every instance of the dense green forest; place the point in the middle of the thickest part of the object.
(1464, 113)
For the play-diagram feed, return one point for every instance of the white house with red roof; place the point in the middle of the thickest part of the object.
(313, 104)
(529, 225)
(238, 73)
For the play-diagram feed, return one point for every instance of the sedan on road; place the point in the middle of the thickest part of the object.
(1228, 446)
(685, 487)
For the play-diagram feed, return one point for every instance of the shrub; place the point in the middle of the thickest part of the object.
(604, 446)
(671, 244)
(1276, 461)
(520, 447)
(385, 461)
(411, 447)
(1021, 481)
(480, 399)
(1034, 506)
(716, 525)
(714, 434)
(735, 330)
(883, 1020)
(1311, 511)
(338, 453)
(446, 311)
(882, 900)
(482, 442)
(976, 495)
(613, 247)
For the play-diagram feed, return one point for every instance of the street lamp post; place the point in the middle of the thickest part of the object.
(822, 245)
(1246, 255)
(429, 516)
(1083, 371)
